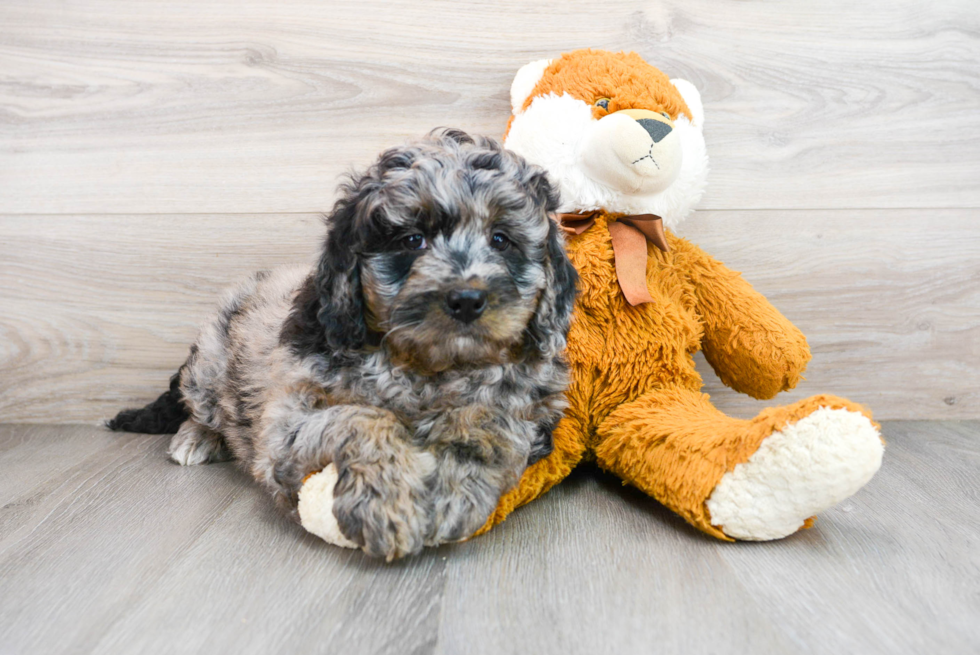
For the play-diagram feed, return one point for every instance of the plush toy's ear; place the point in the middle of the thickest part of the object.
(693, 99)
(525, 81)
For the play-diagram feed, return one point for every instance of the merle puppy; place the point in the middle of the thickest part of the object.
(422, 355)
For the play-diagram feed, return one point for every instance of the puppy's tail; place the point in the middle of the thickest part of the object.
(163, 416)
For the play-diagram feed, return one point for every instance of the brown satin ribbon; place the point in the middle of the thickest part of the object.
(629, 233)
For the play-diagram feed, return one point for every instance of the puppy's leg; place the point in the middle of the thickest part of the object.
(379, 500)
(480, 453)
(197, 444)
(380, 497)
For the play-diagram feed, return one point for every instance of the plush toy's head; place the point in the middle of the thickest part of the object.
(614, 132)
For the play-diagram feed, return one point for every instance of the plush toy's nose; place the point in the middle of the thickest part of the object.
(656, 129)
(656, 125)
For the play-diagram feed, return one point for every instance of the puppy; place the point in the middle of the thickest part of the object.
(421, 356)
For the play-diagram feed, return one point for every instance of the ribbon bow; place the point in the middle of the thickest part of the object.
(629, 233)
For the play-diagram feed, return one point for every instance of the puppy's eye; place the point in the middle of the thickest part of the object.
(602, 102)
(414, 242)
(499, 241)
(665, 115)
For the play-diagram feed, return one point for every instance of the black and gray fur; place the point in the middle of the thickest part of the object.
(430, 409)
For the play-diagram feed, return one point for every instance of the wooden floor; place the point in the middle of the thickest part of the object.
(106, 547)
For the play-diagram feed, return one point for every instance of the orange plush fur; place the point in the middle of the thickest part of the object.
(636, 405)
(623, 78)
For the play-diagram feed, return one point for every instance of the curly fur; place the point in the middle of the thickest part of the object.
(358, 362)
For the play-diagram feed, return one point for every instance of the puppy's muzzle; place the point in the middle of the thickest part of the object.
(466, 304)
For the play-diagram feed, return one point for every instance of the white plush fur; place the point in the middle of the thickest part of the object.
(524, 82)
(693, 100)
(316, 508)
(797, 472)
(552, 132)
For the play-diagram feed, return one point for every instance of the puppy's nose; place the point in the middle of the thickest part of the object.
(466, 304)
(656, 129)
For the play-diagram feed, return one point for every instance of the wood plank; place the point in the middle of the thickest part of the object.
(905, 546)
(106, 547)
(889, 301)
(602, 569)
(596, 568)
(163, 107)
(266, 587)
(118, 550)
(99, 311)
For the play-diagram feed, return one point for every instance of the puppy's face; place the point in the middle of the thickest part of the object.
(455, 252)
(455, 263)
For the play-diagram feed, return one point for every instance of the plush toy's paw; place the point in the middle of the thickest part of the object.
(316, 508)
(797, 472)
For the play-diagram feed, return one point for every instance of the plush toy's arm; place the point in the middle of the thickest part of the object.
(751, 346)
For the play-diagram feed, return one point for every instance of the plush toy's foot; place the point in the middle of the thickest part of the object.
(798, 471)
(741, 479)
(316, 508)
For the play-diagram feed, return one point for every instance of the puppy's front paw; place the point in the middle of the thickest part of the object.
(383, 509)
(456, 519)
(481, 453)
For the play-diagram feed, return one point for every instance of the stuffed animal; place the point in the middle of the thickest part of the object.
(624, 143)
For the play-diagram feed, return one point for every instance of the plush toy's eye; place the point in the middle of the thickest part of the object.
(665, 115)
(414, 242)
(499, 241)
(602, 102)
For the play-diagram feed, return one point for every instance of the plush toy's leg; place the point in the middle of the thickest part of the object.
(543, 474)
(755, 479)
(316, 507)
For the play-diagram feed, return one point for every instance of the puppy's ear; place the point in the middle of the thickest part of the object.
(548, 329)
(338, 280)
(543, 190)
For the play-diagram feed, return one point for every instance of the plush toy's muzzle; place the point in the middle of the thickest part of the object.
(633, 150)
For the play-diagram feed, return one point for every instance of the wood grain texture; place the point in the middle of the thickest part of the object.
(889, 301)
(215, 106)
(105, 547)
(100, 311)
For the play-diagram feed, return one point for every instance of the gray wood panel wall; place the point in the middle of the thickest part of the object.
(152, 152)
